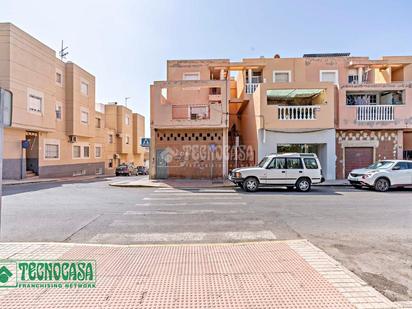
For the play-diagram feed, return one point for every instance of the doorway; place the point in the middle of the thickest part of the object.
(32, 154)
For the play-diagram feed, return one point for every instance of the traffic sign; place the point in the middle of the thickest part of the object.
(145, 142)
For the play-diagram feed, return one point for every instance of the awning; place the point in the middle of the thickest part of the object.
(288, 94)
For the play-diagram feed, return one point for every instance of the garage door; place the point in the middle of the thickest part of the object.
(357, 157)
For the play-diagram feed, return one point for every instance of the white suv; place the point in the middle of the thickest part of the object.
(383, 175)
(299, 170)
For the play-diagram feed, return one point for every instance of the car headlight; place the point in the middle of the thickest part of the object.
(368, 175)
(238, 175)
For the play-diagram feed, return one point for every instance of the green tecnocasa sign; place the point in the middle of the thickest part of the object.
(48, 273)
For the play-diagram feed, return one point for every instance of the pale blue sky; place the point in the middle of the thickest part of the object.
(126, 43)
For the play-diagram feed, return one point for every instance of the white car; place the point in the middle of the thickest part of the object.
(383, 175)
(289, 169)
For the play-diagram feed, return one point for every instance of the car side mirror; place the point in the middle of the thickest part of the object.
(396, 168)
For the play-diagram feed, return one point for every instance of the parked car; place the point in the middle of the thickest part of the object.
(293, 170)
(141, 170)
(383, 175)
(125, 169)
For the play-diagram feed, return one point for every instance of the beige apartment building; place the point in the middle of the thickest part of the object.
(213, 115)
(57, 128)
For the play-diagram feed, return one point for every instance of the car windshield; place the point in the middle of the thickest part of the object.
(263, 161)
(381, 164)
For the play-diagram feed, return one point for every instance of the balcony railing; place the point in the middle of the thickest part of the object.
(251, 87)
(375, 112)
(303, 112)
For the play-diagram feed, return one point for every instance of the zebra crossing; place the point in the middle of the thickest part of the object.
(189, 216)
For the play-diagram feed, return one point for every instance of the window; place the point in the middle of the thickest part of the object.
(127, 139)
(311, 163)
(127, 120)
(59, 78)
(402, 166)
(353, 79)
(51, 151)
(98, 123)
(110, 138)
(76, 151)
(329, 76)
(86, 151)
(84, 88)
(294, 163)
(199, 112)
(58, 112)
(281, 77)
(84, 116)
(35, 103)
(191, 76)
(278, 163)
(361, 99)
(98, 151)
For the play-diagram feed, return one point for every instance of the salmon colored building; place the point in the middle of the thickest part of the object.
(55, 115)
(213, 115)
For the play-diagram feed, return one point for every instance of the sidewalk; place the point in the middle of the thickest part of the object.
(275, 274)
(10, 182)
(195, 183)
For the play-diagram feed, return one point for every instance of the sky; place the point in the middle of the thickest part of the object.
(125, 44)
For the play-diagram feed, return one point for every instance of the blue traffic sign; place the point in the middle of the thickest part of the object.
(145, 142)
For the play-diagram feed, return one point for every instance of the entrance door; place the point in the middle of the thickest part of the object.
(32, 154)
(161, 164)
(357, 157)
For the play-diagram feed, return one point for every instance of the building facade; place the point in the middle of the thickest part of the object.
(56, 131)
(350, 111)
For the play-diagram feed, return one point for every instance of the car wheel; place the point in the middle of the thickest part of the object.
(251, 184)
(303, 185)
(382, 185)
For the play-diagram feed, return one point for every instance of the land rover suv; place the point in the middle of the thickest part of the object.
(293, 170)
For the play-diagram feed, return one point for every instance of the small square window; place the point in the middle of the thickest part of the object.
(98, 123)
(35, 103)
(59, 78)
(98, 151)
(86, 151)
(84, 117)
(51, 151)
(58, 112)
(110, 138)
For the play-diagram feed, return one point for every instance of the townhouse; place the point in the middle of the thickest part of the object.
(350, 111)
(57, 128)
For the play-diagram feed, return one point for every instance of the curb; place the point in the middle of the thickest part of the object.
(53, 180)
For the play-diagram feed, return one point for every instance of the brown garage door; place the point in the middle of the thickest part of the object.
(357, 157)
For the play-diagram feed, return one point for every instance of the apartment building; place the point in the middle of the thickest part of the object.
(56, 130)
(349, 110)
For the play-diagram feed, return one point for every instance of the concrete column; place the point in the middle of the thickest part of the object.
(360, 75)
(250, 75)
(222, 74)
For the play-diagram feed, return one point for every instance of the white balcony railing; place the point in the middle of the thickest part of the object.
(375, 113)
(251, 87)
(303, 112)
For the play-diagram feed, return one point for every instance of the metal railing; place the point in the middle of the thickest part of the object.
(375, 113)
(251, 87)
(303, 112)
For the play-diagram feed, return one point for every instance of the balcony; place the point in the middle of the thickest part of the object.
(173, 106)
(304, 112)
(375, 113)
(251, 87)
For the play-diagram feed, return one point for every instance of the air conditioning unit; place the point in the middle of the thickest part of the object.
(72, 138)
(119, 135)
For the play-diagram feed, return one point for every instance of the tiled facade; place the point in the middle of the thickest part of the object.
(338, 106)
(54, 109)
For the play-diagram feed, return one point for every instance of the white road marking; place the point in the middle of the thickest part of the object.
(210, 197)
(214, 223)
(183, 212)
(194, 194)
(183, 237)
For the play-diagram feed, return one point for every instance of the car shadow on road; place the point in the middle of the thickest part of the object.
(316, 190)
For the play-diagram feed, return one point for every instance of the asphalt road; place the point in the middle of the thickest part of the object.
(369, 232)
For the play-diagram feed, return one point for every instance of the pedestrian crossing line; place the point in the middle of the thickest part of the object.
(168, 204)
(184, 212)
(185, 198)
(194, 194)
(191, 204)
(185, 237)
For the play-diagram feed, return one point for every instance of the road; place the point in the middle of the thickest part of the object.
(368, 232)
